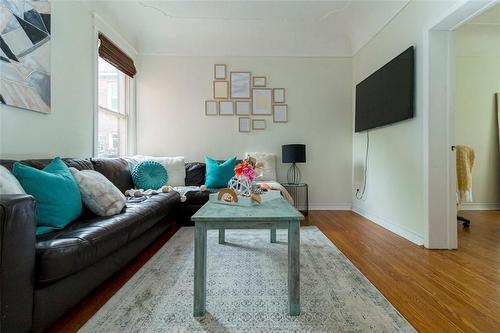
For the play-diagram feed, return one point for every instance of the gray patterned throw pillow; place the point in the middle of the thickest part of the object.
(98, 193)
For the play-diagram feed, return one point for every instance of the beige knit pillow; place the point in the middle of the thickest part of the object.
(100, 195)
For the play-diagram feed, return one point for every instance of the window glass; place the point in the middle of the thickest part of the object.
(113, 96)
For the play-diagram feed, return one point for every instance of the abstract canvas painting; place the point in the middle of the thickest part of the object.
(25, 54)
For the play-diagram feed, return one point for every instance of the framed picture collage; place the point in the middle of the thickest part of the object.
(248, 97)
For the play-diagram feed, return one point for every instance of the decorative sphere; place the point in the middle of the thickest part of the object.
(240, 185)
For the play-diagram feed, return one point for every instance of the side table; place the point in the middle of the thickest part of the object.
(300, 195)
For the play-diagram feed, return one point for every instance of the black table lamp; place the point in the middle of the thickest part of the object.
(295, 153)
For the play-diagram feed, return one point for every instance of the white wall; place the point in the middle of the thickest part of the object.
(395, 184)
(477, 79)
(171, 93)
(68, 130)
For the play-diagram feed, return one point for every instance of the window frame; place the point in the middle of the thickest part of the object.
(130, 95)
(120, 115)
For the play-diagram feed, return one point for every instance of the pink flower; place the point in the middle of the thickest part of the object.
(249, 173)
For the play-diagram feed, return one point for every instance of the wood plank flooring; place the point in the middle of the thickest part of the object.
(436, 291)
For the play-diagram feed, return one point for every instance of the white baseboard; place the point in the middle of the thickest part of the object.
(479, 206)
(398, 230)
(327, 206)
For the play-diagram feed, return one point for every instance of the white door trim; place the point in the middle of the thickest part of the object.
(438, 115)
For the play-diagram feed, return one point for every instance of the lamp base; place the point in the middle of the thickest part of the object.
(293, 175)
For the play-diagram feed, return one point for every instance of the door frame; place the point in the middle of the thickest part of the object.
(439, 124)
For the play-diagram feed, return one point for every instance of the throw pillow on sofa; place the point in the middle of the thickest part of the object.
(268, 170)
(219, 174)
(149, 175)
(8, 183)
(100, 195)
(175, 167)
(58, 200)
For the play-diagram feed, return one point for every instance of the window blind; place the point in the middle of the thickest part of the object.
(115, 56)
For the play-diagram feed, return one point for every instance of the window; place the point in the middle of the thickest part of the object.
(115, 80)
(113, 96)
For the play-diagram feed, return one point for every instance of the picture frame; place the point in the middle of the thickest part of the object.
(226, 108)
(280, 113)
(240, 85)
(244, 124)
(262, 101)
(221, 89)
(211, 108)
(220, 72)
(278, 95)
(243, 108)
(258, 124)
(259, 81)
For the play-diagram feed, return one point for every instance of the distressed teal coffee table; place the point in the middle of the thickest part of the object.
(272, 215)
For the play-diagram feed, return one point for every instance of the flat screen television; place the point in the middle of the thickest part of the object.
(387, 96)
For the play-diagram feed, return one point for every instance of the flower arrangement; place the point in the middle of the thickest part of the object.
(243, 183)
(246, 169)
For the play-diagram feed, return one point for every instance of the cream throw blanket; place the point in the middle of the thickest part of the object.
(465, 163)
(277, 186)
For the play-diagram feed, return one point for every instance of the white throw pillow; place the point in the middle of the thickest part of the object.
(8, 183)
(175, 167)
(269, 162)
(100, 195)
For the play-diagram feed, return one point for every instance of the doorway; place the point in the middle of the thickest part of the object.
(476, 53)
(439, 124)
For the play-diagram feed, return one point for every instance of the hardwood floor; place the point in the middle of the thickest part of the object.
(436, 291)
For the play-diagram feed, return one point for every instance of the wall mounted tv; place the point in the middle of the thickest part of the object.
(387, 96)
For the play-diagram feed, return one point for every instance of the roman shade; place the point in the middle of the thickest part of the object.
(115, 56)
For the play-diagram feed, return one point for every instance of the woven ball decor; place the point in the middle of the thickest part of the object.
(149, 175)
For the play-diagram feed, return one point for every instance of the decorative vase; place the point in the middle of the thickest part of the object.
(241, 185)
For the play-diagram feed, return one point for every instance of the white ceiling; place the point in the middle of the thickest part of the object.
(248, 28)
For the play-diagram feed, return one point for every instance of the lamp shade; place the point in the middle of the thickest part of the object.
(294, 153)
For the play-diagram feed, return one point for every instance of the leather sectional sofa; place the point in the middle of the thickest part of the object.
(42, 277)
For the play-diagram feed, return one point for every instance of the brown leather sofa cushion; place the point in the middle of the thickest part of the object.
(116, 170)
(195, 173)
(198, 197)
(8, 164)
(84, 242)
(80, 164)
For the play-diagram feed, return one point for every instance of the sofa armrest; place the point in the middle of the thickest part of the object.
(17, 261)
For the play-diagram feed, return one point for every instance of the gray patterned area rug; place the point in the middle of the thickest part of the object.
(247, 290)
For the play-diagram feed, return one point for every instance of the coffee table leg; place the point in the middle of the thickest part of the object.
(273, 234)
(222, 236)
(294, 268)
(200, 269)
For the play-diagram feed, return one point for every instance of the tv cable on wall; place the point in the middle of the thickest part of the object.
(362, 195)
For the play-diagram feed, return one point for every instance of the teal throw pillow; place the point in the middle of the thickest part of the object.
(219, 174)
(58, 200)
(149, 175)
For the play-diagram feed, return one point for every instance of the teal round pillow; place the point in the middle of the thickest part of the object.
(149, 175)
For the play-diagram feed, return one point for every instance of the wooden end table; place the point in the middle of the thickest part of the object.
(273, 214)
